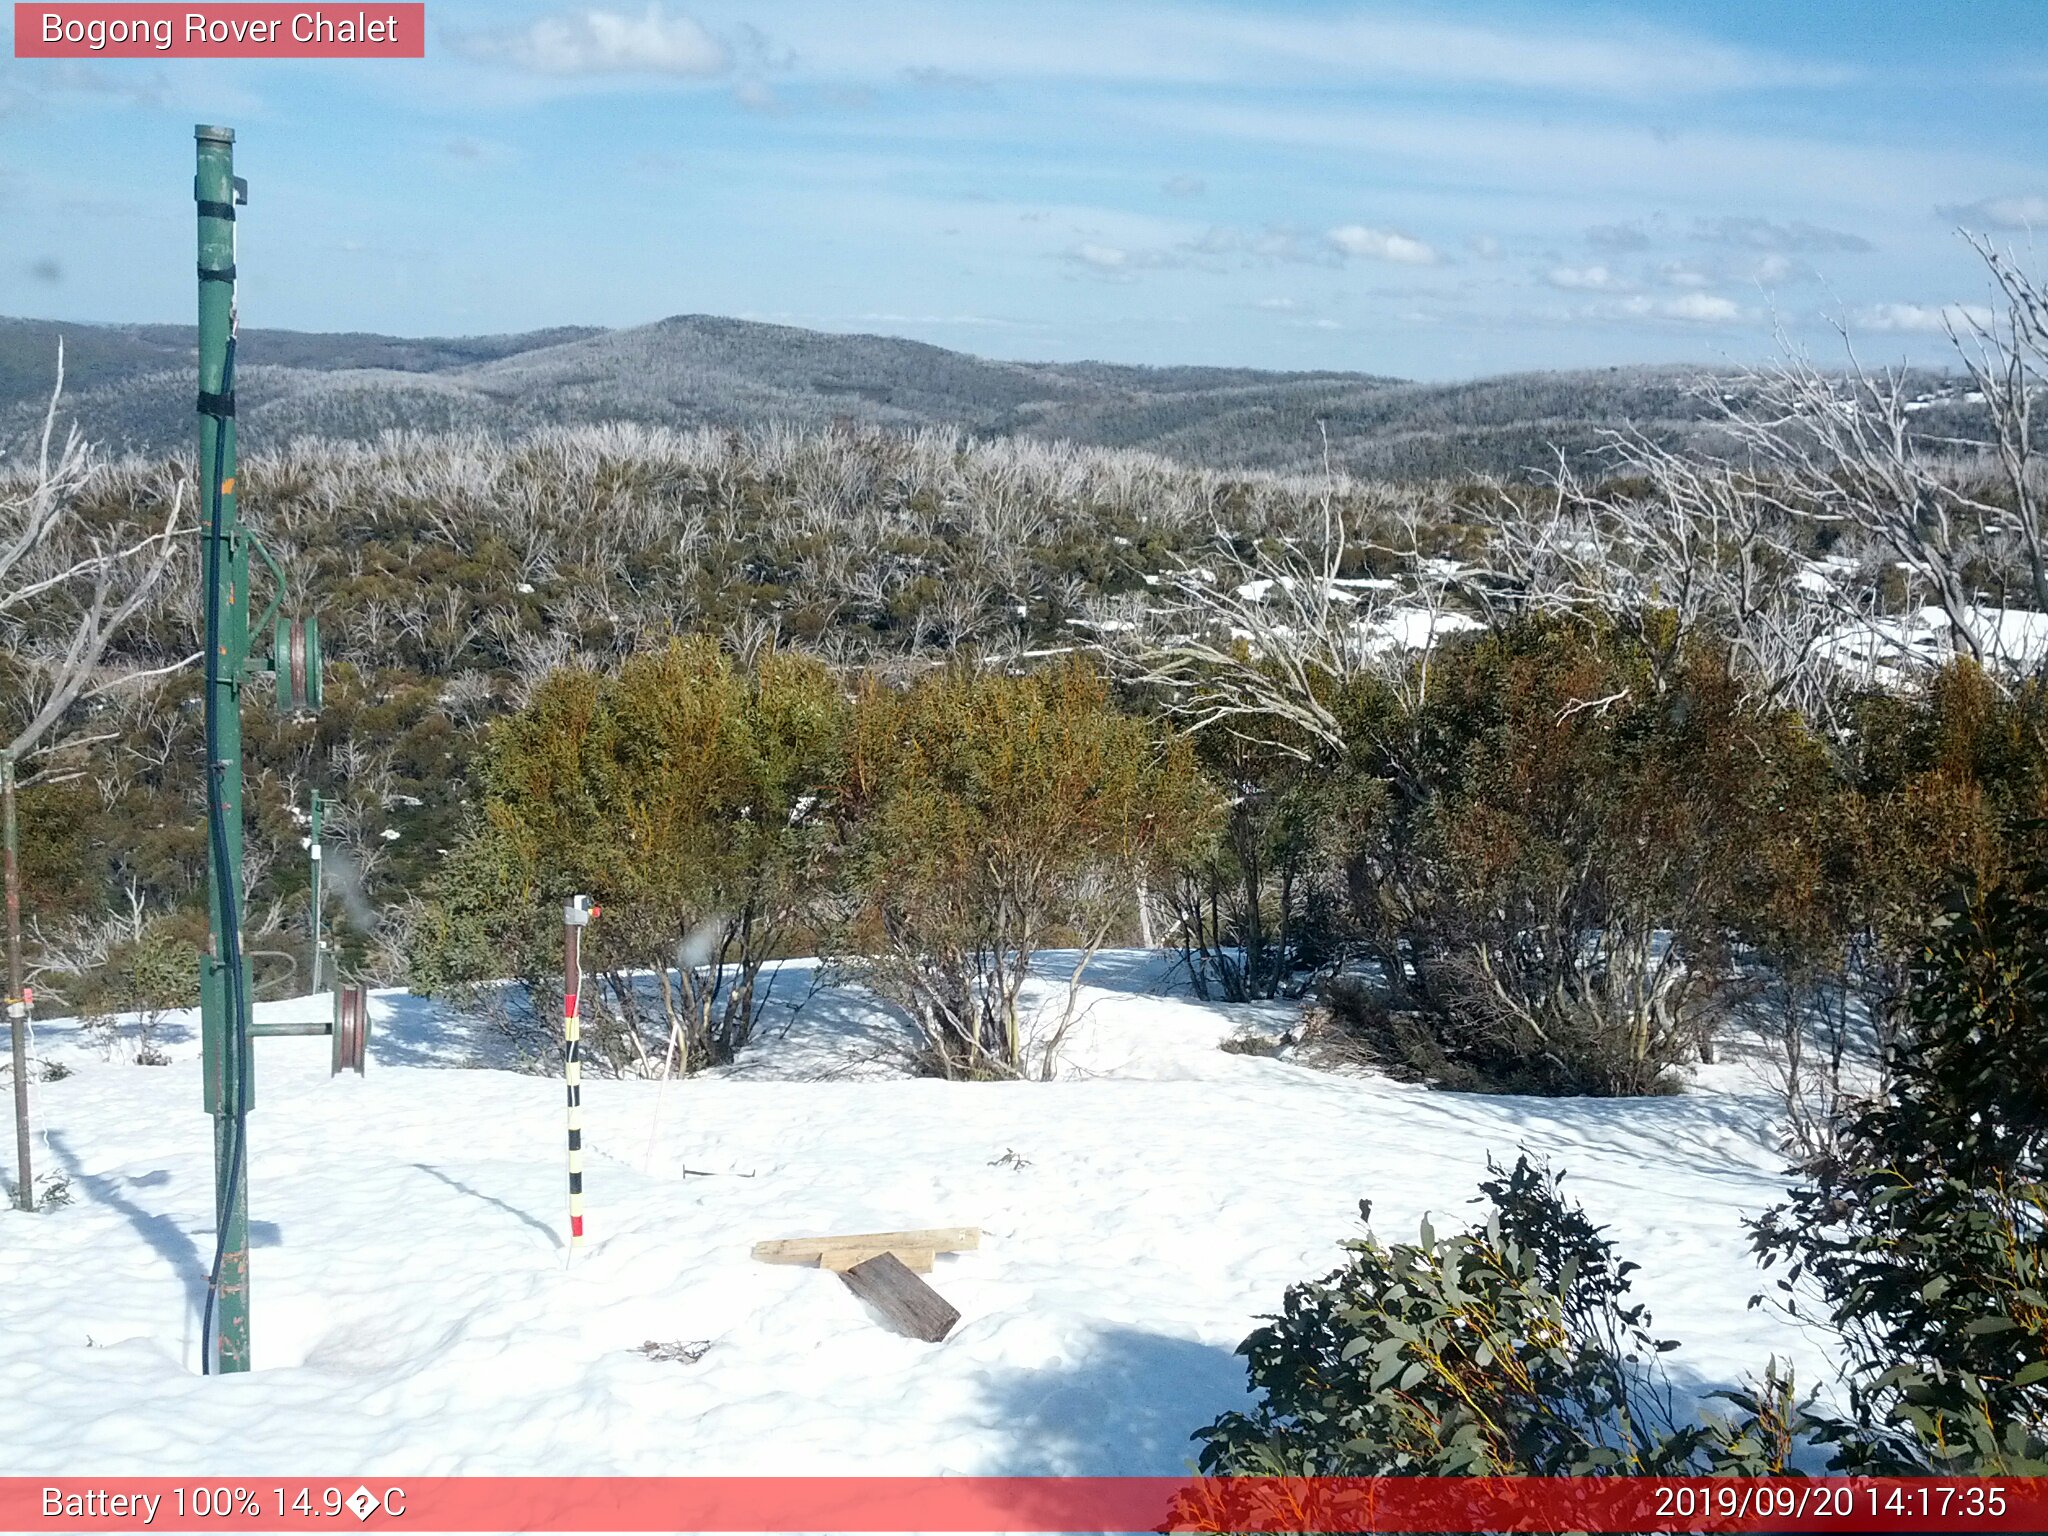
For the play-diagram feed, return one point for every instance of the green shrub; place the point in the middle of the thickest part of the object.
(1510, 1349)
(1255, 901)
(1572, 836)
(991, 816)
(1947, 792)
(686, 794)
(1922, 1229)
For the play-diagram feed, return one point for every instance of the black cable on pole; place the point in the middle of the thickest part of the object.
(231, 909)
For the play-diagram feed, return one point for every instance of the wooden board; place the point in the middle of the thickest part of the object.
(809, 1250)
(840, 1260)
(910, 1306)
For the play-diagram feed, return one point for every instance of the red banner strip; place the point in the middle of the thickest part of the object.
(1023, 1504)
(372, 30)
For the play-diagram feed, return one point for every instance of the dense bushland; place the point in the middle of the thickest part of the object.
(1566, 850)
(1918, 1242)
(1546, 862)
(1568, 854)
(935, 836)
(1920, 1235)
(1510, 859)
(454, 575)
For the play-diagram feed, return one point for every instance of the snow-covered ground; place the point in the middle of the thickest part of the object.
(415, 1313)
(1888, 652)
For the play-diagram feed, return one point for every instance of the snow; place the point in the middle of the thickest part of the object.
(2015, 638)
(1820, 577)
(415, 1311)
(1415, 629)
(1885, 652)
(1342, 589)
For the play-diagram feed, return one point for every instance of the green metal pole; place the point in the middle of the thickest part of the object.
(17, 994)
(314, 844)
(227, 559)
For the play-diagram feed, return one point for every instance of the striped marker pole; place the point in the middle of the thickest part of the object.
(576, 917)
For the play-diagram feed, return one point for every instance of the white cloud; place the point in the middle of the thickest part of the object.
(1579, 157)
(1223, 246)
(1618, 237)
(2021, 211)
(1698, 308)
(1228, 248)
(1382, 245)
(1707, 308)
(1485, 247)
(931, 78)
(1184, 186)
(1190, 45)
(1677, 274)
(1765, 235)
(994, 322)
(1922, 317)
(593, 41)
(1104, 258)
(1281, 306)
(1593, 279)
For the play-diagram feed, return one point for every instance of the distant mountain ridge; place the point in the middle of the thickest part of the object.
(131, 387)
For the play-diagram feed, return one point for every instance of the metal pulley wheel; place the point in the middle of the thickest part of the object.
(296, 656)
(351, 1030)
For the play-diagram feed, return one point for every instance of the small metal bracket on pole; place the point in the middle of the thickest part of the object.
(576, 916)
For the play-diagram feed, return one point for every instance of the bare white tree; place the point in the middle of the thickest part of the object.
(54, 562)
(2006, 356)
(1262, 637)
(1845, 448)
(66, 589)
(1675, 547)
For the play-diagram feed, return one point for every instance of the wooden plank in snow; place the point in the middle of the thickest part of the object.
(810, 1250)
(911, 1307)
(840, 1260)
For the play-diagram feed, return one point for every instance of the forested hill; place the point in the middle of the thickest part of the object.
(131, 387)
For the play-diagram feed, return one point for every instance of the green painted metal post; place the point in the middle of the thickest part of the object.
(313, 844)
(226, 553)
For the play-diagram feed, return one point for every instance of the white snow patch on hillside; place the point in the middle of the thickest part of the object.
(414, 1312)
(1416, 629)
(1888, 652)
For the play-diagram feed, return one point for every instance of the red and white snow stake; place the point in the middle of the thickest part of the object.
(576, 917)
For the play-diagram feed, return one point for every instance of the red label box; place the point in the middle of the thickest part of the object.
(236, 31)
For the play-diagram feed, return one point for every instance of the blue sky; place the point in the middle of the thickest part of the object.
(1427, 190)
